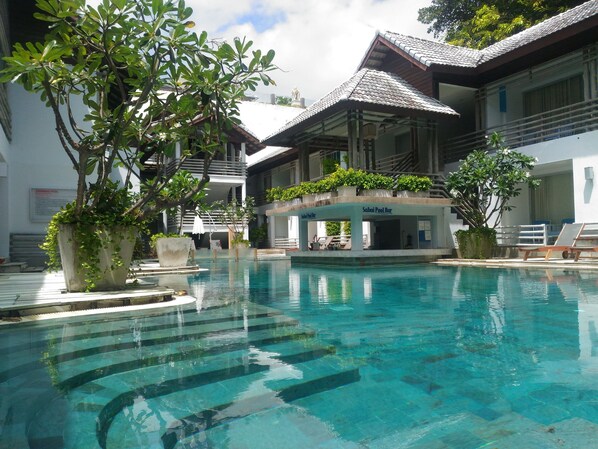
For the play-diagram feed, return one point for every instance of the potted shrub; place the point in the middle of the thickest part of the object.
(482, 188)
(413, 186)
(146, 95)
(172, 249)
(237, 217)
(376, 184)
(345, 181)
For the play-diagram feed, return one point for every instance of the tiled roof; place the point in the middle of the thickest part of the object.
(431, 52)
(549, 26)
(437, 53)
(370, 88)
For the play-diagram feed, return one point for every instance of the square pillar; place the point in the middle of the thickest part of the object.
(357, 229)
(303, 235)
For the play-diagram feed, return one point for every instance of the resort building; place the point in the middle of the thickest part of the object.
(419, 106)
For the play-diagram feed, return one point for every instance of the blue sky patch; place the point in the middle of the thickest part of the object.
(260, 19)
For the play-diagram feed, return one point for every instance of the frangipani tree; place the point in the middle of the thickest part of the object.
(485, 182)
(149, 84)
(153, 91)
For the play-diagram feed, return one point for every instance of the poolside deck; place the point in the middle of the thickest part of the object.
(539, 262)
(23, 294)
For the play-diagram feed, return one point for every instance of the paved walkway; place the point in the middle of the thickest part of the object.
(557, 264)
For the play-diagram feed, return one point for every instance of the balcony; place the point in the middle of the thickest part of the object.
(217, 168)
(570, 120)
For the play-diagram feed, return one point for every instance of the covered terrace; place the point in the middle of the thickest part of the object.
(377, 122)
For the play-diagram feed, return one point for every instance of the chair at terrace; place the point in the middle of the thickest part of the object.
(564, 242)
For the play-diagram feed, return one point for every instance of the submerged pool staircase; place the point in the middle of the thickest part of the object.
(131, 383)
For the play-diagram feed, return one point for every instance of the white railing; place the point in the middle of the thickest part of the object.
(526, 235)
(286, 243)
(562, 122)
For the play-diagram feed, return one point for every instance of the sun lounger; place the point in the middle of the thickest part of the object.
(328, 242)
(586, 241)
(564, 242)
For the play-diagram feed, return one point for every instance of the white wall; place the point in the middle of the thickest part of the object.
(578, 151)
(4, 195)
(37, 159)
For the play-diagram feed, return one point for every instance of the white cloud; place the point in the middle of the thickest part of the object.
(320, 43)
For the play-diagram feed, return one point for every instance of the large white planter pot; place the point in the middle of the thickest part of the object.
(379, 193)
(410, 194)
(112, 277)
(344, 191)
(173, 251)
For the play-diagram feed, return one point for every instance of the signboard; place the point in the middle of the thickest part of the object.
(44, 203)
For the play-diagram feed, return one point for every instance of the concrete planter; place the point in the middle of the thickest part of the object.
(325, 196)
(410, 194)
(378, 193)
(473, 246)
(113, 277)
(173, 251)
(310, 198)
(344, 191)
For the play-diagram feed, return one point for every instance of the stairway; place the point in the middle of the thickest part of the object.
(24, 248)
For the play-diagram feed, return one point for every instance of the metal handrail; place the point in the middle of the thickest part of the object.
(218, 168)
(562, 122)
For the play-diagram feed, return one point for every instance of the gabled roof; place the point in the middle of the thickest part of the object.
(430, 53)
(367, 90)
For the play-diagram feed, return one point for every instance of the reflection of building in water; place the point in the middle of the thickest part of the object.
(367, 290)
(294, 287)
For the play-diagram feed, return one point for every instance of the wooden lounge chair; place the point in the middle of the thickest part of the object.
(564, 242)
(328, 242)
(586, 241)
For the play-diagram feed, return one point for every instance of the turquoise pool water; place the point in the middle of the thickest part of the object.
(274, 357)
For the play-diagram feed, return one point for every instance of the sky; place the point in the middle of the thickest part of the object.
(318, 43)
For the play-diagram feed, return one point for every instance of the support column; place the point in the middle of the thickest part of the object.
(357, 229)
(303, 235)
(303, 162)
(352, 140)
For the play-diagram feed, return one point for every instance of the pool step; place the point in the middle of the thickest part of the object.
(88, 398)
(68, 359)
(224, 400)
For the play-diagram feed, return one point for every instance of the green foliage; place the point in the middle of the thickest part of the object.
(484, 183)
(478, 23)
(283, 101)
(90, 228)
(329, 165)
(258, 234)
(414, 183)
(476, 243)
(333, 228)
(340, 177)
(347, 227)
(147, 81)
(237, 216)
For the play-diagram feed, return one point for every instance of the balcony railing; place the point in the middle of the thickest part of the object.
(562, 122)
(217, 168)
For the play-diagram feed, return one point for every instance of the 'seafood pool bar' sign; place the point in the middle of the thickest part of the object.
(44, 203)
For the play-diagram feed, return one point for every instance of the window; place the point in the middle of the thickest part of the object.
(553, 96)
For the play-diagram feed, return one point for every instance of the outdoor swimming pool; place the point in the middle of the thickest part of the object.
(274, 357)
